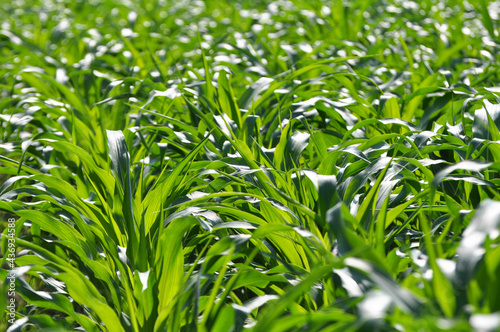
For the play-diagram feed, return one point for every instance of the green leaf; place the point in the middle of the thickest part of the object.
(169, 262)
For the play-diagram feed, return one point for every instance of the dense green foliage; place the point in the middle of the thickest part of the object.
(261, 166)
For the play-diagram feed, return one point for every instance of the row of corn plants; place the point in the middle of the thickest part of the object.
(250, 166)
